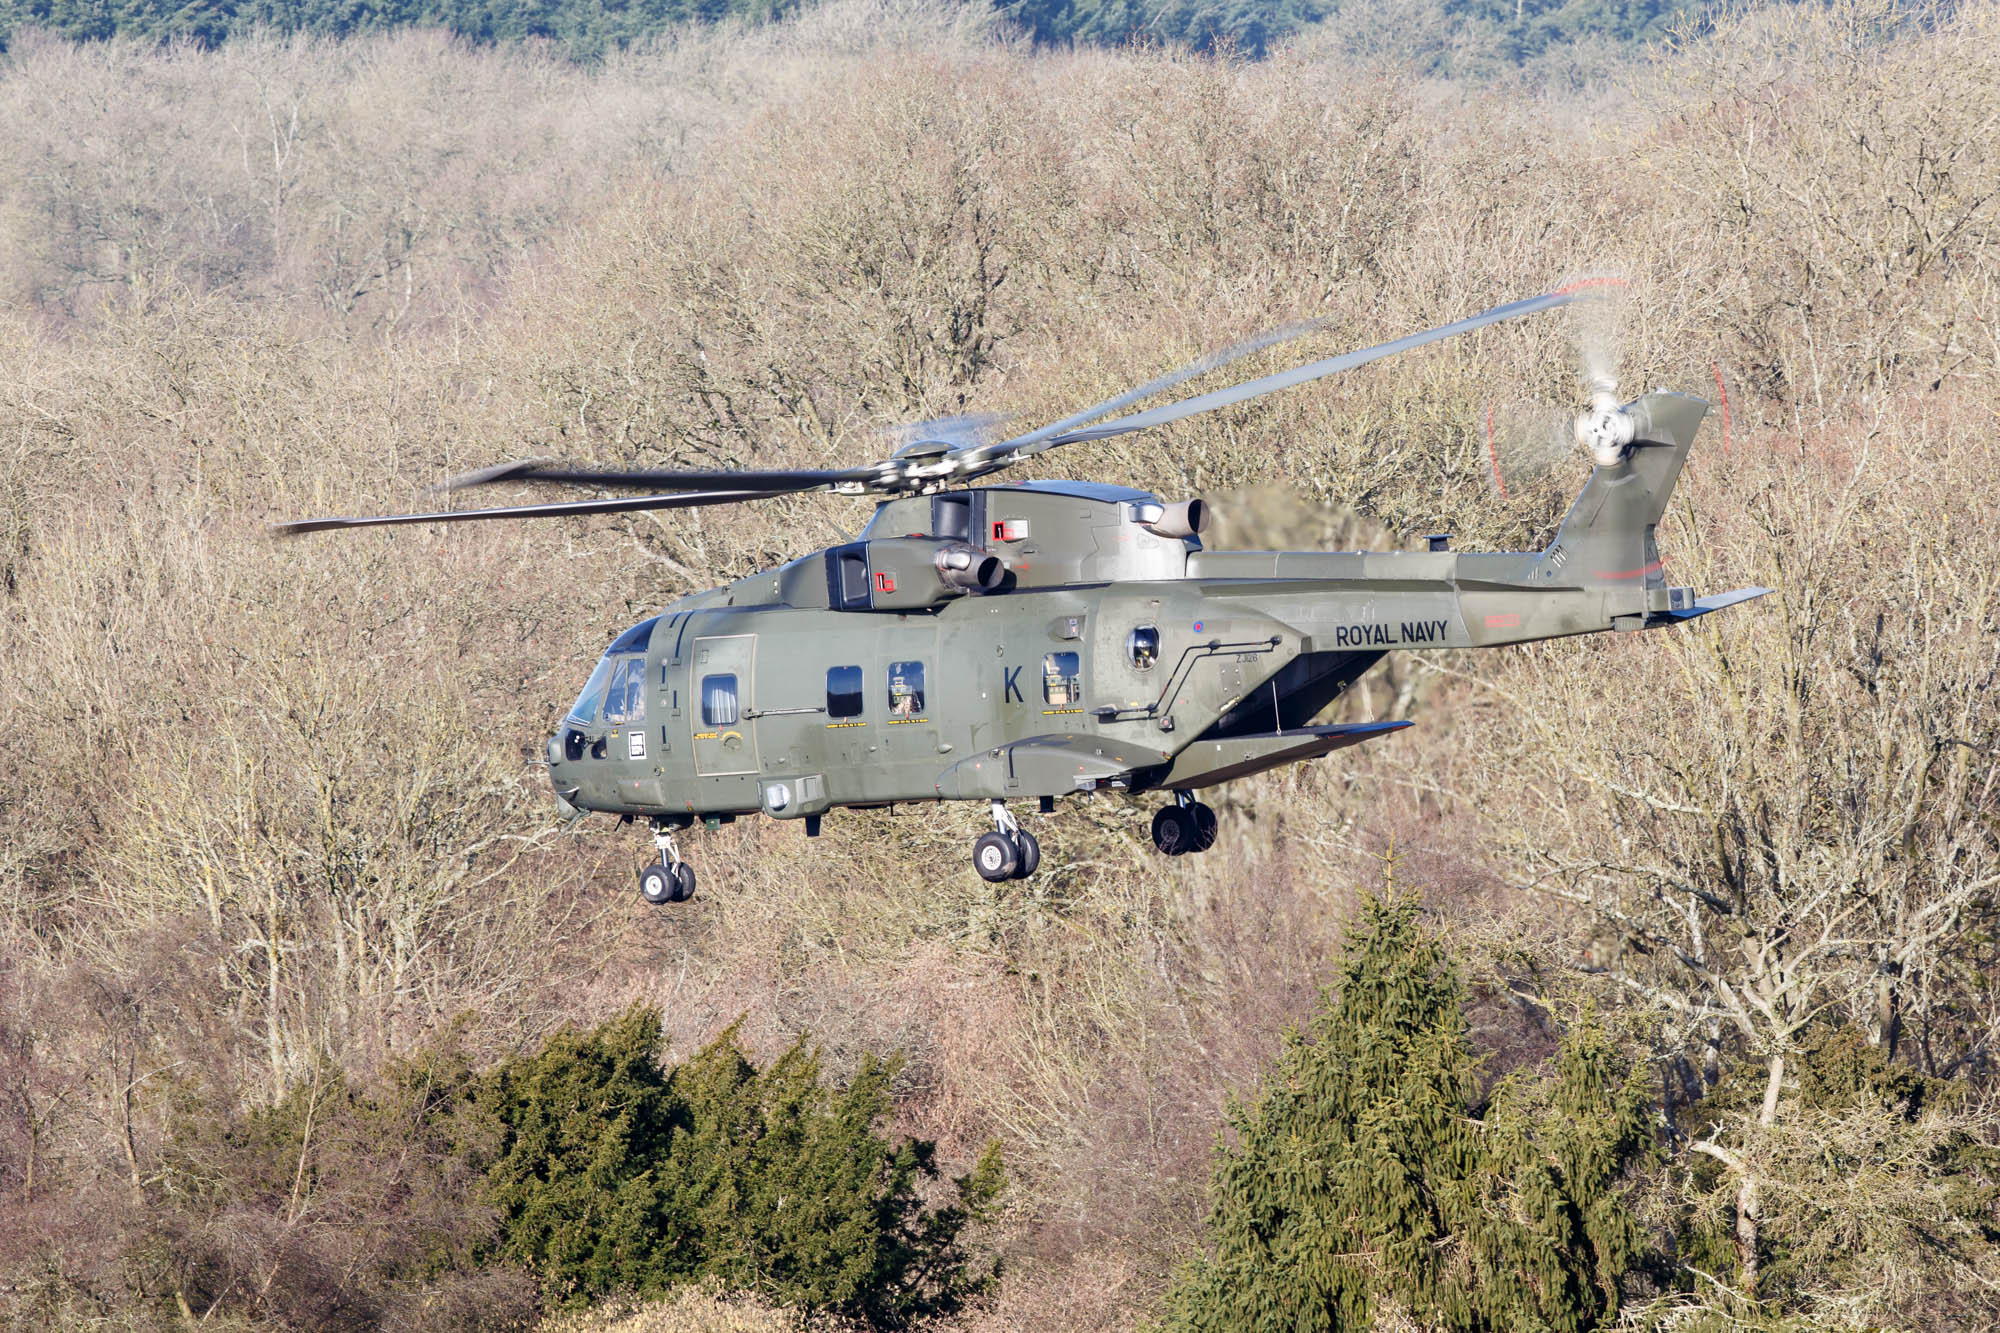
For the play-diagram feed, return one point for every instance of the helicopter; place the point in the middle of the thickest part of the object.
(1037, 640)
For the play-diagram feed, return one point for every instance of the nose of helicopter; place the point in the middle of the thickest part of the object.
(564, 784)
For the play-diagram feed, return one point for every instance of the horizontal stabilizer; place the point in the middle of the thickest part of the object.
(1716, 602)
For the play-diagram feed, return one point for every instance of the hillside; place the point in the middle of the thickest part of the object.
(278, 856)
(1460, 37)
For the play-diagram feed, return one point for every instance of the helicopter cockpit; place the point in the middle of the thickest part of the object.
(615, 694)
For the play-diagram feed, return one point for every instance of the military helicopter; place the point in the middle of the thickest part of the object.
(1037, 639)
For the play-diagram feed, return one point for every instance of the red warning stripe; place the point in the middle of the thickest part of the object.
(1628, 573)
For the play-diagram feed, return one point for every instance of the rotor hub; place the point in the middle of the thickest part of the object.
(1606, 430)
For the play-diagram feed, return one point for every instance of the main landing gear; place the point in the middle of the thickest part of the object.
(1185, 826)
(670, 879)
(1009, 852)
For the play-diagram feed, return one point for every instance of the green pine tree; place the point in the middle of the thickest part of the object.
(616, 1174)
(587, 1118)
(1363, 1181)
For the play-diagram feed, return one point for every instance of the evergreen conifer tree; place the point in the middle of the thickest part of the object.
(1362, 1183)
(616, 1173)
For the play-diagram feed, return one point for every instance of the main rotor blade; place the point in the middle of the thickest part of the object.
(300, 527)
(749, 483)
(1286, 379)
(923, 470)
(1021, 445)
(964, 431)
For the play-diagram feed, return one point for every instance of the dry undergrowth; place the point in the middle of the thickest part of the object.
(691, 1310)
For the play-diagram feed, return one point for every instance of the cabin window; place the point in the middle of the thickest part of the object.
(1142, 646)
(843, 691)
(625, 697)
(718, 701)
(585, 707)
(1062, 685)
(906, 689)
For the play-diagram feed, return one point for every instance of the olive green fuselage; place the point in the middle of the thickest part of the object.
(1102, 652)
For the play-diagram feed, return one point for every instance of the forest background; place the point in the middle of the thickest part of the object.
(272, 818)
(1456, 37)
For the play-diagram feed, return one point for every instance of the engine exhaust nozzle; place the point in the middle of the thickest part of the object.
(964, 567)
(1189, 518)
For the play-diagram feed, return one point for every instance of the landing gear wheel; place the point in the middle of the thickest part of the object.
(1031, 854)
(657, 885)
(995, 857)
(1174, 830)
(669, 879)
(1205, 826)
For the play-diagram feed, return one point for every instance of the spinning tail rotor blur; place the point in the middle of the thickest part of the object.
(1526, 441)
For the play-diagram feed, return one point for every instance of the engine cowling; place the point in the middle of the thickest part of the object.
(911, 573)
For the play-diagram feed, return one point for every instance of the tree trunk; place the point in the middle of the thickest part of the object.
(1888, 1025)
(273, 1037)
(1747, 1204)
(1749, 1200)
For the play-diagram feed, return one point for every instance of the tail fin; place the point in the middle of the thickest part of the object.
(1606, 539)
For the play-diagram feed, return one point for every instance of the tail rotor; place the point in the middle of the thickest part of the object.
(1605, 429)
(1527, 441)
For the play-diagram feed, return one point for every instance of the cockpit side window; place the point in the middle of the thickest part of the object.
(585, 707)
(625, 698)
(618, 666)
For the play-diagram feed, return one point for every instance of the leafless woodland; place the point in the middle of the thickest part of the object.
(264, 805)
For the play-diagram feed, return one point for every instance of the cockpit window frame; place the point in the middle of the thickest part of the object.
(591, 698)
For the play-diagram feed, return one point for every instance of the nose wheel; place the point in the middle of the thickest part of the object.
(1185, 826)
(1009, 852)
(669, 879)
